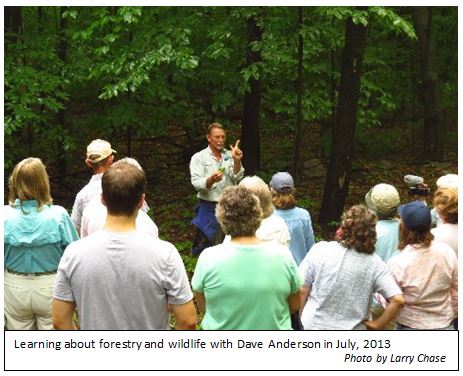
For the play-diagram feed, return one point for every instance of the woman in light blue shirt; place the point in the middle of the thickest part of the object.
(297, 219)
(35, 236)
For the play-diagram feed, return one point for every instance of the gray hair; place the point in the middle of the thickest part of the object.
(129, 161)
(238, 212)
(262, 191)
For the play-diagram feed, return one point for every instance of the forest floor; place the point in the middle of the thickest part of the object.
(172, 198)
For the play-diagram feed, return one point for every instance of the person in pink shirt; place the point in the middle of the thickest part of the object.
(427, 272)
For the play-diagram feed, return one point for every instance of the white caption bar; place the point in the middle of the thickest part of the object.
(231, 350)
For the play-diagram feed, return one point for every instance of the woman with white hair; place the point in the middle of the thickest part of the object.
(272, 227)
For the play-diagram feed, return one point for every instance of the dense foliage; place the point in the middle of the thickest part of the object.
(140, 69)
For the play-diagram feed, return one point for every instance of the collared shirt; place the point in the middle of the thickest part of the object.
(203, 164)
(35, 240)
(92, 189)
(428, 278)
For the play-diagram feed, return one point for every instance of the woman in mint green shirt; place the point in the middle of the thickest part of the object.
(245, 284)
(35, 236)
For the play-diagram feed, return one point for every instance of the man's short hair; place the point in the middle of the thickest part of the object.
(211, 126)
(123, 186)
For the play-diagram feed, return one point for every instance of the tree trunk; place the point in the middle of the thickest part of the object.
(62, 49)
(340, 165)
(299, 84)
(431, 85)
(250, 140)
(13, 23)
(327, 125)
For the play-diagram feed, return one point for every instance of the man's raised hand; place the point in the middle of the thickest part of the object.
(236, 152)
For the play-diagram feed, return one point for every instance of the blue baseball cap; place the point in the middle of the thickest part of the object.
(416, 216)
(282, 181)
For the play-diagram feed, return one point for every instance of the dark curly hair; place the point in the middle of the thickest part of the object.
(358, 229)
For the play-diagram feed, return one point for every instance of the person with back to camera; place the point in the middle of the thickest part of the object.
(446, 204)
(297, 219)
(383, 200)
(246, 283)
(446, 181)
(272, 227)
(341, 276)
(212, 170)
(100, 157)
(94, 214)
(119, 278)
(35, 236)
(427, 272)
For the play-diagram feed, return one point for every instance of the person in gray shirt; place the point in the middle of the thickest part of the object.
(120, 279)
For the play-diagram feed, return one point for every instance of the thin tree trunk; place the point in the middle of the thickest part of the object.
(431, 85)
(299, 84)
(340, 165)
(328, 124)
(13, 23)
(250, 140)
(62, 49)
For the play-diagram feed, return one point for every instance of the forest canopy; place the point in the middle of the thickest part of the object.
(160, 74)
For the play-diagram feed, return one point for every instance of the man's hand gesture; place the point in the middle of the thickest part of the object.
(236, 152)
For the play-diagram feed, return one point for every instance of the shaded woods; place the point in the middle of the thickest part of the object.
(336, 95)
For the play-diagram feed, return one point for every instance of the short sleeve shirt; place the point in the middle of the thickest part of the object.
(246, 287)
(342, 283)
(122, 281)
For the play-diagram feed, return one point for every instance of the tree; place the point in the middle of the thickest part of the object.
(299, 86)
(340, 165)
(250, 141)
(430, 83)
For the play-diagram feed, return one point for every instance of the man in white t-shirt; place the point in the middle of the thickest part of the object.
(118, 278)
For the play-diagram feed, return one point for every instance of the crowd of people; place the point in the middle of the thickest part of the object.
(390, 265)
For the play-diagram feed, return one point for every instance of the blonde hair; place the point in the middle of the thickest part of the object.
(29, 181)
(446, 203)
(262, 191)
